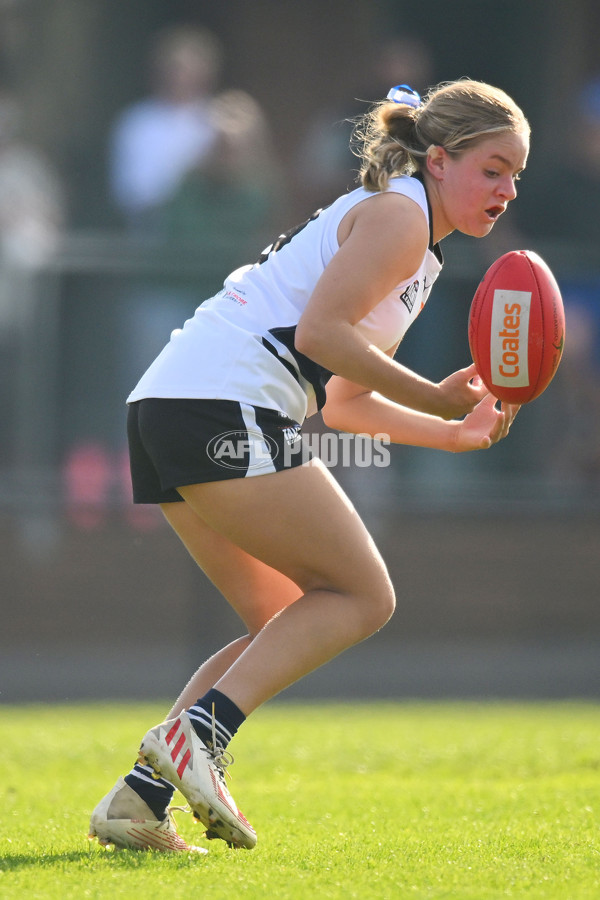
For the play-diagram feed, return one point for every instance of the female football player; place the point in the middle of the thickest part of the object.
(214, 422)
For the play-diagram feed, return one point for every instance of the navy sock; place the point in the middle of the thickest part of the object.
(156, 792)
(228, 717)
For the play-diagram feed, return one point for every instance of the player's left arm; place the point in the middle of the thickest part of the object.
(351, 408)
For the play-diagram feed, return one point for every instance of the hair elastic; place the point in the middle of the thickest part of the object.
(405, 95)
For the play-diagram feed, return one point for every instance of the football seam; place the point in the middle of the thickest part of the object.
(479, 310)
(541, 305)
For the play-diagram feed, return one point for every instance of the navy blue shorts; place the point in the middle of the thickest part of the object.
(173, 443)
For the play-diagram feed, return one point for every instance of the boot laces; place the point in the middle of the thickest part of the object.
(171, 810)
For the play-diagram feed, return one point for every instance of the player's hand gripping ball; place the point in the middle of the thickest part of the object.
(517, 327)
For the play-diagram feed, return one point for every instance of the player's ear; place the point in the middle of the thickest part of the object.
(436, 161)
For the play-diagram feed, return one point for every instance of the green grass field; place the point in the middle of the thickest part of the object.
(369, 801)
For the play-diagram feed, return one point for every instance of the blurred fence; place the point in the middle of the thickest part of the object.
(495, 556)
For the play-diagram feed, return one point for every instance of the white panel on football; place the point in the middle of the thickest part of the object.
(509, 338)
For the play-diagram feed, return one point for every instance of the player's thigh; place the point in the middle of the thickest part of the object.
(300, 523)
(254, 590)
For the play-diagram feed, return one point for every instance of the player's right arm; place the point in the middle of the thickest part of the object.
(382, 242)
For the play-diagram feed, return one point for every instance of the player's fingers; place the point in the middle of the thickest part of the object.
(488, 401)
(497, 432)
(510, 412)
(480, 390)
(499, 428)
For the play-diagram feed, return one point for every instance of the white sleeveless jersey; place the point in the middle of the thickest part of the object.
(239, 345)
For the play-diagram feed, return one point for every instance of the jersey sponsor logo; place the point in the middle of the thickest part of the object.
(509, 338)
(237, 298)
(409, 296)
(292, 434)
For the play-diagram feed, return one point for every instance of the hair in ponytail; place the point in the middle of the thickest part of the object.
(393, 138)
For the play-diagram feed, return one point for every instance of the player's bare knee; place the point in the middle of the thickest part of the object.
(377, 605)
(386, 602)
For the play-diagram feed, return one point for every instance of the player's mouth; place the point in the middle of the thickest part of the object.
(494, 212)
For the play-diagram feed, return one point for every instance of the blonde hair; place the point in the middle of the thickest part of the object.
(393, 139)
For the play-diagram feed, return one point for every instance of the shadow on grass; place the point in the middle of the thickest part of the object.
(12, 862)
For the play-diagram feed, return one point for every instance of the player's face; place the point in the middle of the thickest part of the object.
(474, 188)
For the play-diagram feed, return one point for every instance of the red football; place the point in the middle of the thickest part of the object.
(517, 327)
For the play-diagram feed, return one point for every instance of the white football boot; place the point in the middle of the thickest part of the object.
(122, 818)
(175, 752)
